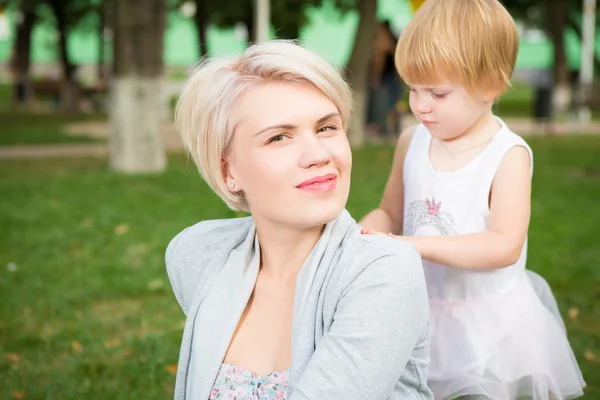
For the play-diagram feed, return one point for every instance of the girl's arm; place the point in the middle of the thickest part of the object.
(501, 244)
(388, 217)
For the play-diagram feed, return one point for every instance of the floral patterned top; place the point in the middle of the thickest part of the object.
(238, 383)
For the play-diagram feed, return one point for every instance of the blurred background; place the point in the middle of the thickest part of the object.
(94, 182)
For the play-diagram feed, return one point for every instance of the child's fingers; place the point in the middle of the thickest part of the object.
(370, 232)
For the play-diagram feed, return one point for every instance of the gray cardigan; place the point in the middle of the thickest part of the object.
(361, 312)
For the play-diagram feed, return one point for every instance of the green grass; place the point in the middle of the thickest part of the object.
(87, 311)
(41, 129)
(22, 128)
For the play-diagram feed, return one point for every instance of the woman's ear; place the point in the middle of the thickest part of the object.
(229, 177)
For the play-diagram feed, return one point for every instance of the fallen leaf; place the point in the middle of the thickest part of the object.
(12, 357)
(88, 222)
(382, 156)
(76, 253)
(155, 284)
(109, 344)
(121, 229)
(18, 394)
(126, 353)
(76, 346)
(573, 312)
(590, 356)
(172, 369)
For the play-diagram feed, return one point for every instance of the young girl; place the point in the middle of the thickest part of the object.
(459, 191)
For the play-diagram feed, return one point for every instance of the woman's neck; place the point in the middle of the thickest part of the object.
(284, 249)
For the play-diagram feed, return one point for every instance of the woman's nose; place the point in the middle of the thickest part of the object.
(314, 152)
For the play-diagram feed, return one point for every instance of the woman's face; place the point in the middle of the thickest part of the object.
(290, 155)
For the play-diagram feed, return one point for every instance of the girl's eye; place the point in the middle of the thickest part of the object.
(438, 95)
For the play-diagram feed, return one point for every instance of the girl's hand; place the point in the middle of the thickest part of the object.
(369, 232)
(414, 240)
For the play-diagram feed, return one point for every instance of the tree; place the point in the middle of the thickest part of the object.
(556, 23)
(574, 23)
(358, 68)
(68, 95)
(66, 15)
(201, 18)
(21, 57)
(135, 142)
(554, 17)
(105, 13)
(287, 16)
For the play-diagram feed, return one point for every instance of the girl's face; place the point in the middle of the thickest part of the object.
(447, 110)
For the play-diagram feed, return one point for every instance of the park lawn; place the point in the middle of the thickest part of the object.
(87, 311)
(27, 129)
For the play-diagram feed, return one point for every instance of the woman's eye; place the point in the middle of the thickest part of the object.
(277, 138)
(327, 128)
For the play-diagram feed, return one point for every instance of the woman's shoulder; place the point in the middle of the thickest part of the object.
(206, 235)
(189, 254)
(386, 257)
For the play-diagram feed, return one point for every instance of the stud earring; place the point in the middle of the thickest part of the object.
(231, 185)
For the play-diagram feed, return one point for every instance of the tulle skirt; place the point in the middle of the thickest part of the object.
(511, 346)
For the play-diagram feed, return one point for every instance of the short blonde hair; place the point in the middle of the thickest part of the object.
(204, 114)
(470, 42)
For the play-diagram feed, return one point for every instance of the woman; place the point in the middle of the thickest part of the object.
(292, 302)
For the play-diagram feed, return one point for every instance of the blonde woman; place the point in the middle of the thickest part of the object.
(291, 302)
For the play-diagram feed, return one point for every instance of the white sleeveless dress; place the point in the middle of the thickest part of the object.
(492, 335)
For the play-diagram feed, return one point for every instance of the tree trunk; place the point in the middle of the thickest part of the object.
(287, 17)
(249, 21)
(136, 141)
(358, 68)
(557, 22)
(68, 93)
(573, 25)
(101, 45)
(22, 55)
(201, 19)
(109, 24)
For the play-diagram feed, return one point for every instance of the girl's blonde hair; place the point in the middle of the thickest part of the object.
(470, 42)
